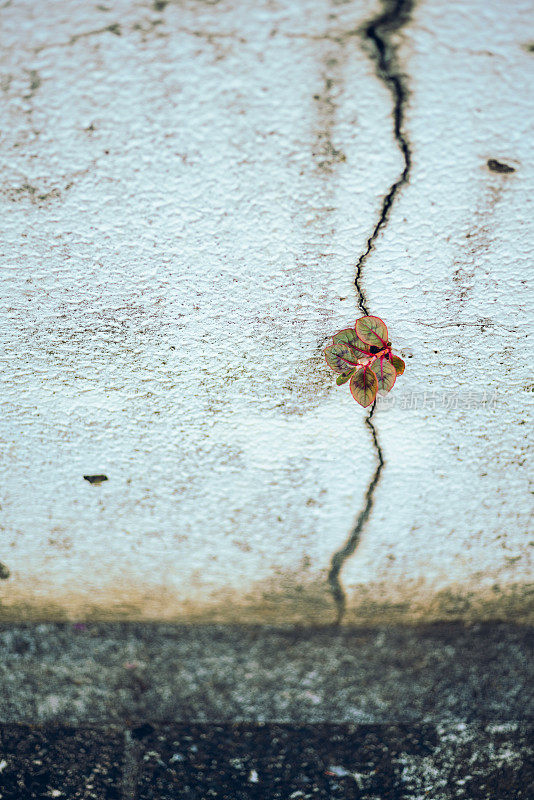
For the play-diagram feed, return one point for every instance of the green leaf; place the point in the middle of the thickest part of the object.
(398, 363)
(341, 379)
(364, 386)
(386, 374)
(340, 358)
(372, 331)
(350, 338)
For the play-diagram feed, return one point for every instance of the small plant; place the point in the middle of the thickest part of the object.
(363, 355)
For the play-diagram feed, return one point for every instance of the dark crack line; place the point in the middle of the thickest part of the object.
(378, 31)
(113, 28)
(339, 558)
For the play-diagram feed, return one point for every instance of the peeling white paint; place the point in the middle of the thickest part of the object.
(184, 199)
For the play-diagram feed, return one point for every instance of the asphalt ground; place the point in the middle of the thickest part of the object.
(160, 711)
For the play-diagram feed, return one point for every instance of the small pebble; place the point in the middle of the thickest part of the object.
(339, 772)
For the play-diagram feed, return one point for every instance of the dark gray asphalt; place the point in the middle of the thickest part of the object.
(82, 674)
(268, 762)
(139, 712)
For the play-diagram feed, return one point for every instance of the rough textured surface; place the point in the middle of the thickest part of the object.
(136, 712)
(449, 273)
(186, 190)
(325, 761)
(111, 673)
(281, 762)
(61, 762)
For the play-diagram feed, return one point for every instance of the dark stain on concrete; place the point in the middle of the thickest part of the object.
(147, 27)
(480, 236)
(499, 166)
(4, 572)
(114, 28)
(33, 193)
(95, 480)
(5, 82)
(35, 83)
(284, 598)
(59, 539)
(325, 154)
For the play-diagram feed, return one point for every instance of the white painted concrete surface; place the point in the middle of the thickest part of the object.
(186, 191)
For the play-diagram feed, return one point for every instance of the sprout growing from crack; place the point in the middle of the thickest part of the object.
(363, 355)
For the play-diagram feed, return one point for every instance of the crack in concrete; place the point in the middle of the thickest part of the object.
(348, 549)
(114, 28)
(378, 31)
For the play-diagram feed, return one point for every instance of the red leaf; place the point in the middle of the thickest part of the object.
(364, 386)
(372, 331)
(398, 363)
(340, 358)
(341, 379)
(385, 373)
(351, 339)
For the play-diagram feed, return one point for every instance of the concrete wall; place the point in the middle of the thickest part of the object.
(187, 188)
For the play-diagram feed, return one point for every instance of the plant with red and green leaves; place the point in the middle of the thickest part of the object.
(363, 355)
